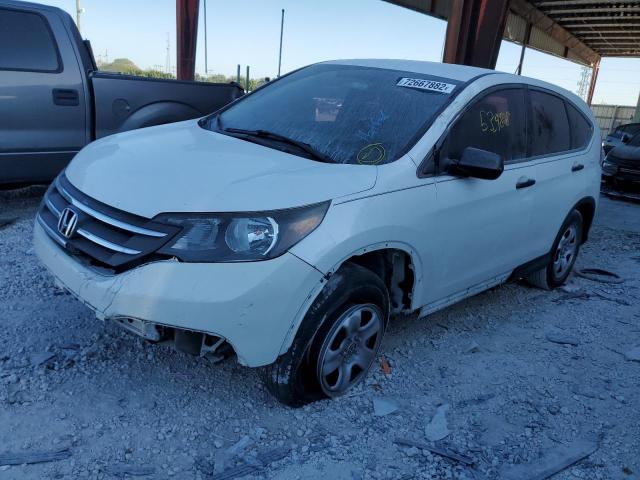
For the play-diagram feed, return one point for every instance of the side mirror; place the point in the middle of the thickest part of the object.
(478, 163)
(625, 138)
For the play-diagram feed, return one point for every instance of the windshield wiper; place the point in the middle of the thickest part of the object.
(305, 147)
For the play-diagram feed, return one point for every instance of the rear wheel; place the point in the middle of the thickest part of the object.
(337, 341)
(564, 253)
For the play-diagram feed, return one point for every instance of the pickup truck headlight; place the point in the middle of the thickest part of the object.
(240, 237)
(609, 168)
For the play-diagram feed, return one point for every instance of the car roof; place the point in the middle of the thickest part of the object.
(461, 73)
(446, 70)
(32, 5)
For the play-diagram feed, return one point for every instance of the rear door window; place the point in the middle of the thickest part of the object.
(26, 42)
(580, 128)
(549, 125)
(495, 123)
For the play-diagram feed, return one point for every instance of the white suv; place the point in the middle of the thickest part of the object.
(292, 224)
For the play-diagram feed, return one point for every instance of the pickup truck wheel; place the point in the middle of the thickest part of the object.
(337, 341)
(563, 254)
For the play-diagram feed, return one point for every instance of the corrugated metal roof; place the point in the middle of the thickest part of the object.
(579, 30)
(609, 27)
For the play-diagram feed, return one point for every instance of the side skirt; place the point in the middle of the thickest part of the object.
(456, 297)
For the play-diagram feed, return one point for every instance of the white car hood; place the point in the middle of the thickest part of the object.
(182, 167)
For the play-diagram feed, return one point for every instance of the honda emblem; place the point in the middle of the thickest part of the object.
(68, 222)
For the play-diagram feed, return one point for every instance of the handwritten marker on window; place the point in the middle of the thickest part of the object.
(372, 154)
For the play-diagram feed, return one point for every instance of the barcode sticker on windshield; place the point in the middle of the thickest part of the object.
(430, 85)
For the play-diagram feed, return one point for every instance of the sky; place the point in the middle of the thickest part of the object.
(248, 33)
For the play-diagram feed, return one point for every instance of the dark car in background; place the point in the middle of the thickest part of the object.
(621, 167)
(620, 135)
(54, 101)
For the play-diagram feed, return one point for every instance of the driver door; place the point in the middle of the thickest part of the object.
(483, 227)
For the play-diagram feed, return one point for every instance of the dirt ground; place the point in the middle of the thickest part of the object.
(509, 383)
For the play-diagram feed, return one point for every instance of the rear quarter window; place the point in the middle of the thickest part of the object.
(580, 128)
(26, 42)
(549, 124)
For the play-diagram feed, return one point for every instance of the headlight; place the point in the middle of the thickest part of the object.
(610, 168)
(240, 237)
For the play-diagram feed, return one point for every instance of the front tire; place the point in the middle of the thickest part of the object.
(337, 341)
(563, 254)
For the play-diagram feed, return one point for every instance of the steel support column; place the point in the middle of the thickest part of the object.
(527, 38)
(594, 78)
(474, 32)
(187, 33)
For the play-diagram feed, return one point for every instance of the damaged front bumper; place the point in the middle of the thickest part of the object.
(252, 305)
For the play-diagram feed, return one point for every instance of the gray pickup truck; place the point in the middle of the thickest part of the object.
(53, 99)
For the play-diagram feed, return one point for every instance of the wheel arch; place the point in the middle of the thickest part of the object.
(371, 257)
(587, 208)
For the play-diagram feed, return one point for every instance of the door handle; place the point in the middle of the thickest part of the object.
(66, 97)
(525, 182)
(577, 167)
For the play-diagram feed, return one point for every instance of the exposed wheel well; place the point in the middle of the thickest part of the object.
(587, 208)
(396, 270)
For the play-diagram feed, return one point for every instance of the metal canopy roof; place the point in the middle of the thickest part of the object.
(579, 30)
(609, 27)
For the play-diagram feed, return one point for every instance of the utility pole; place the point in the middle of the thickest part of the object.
(281, 32)
(167, 62)
(79, 11)
(206, 64)
(247, 78)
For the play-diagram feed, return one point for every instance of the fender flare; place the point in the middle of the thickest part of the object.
(416, 261)
(590, 203)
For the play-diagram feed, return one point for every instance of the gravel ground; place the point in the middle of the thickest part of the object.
(485, 379)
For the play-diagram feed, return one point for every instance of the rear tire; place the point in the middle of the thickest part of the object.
(563, 255)
(353, 297)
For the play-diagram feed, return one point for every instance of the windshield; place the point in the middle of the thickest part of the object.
(347, 114)
(635, 141)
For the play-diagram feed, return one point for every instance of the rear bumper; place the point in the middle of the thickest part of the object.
(252, 305)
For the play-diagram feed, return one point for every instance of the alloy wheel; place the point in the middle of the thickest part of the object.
(350, 348)
(566, 252)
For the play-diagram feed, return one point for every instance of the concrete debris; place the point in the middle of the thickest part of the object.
(473, 347)
(224, 457)
(562, 338)
(552, 462)
(384, 406)
(40, 358)
(437, 428)
(444, 452)
(123, 469)
(37, 456)
(242, 470)
(633, 354)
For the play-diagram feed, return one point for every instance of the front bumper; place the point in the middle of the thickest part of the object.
(253, 305)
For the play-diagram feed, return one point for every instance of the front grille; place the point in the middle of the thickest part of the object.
(103, 235)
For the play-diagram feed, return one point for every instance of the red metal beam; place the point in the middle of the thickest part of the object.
(187, 33)
(474, 32)
(594, 78)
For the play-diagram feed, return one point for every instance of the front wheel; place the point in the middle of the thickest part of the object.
(337, 341)
(563, 254)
